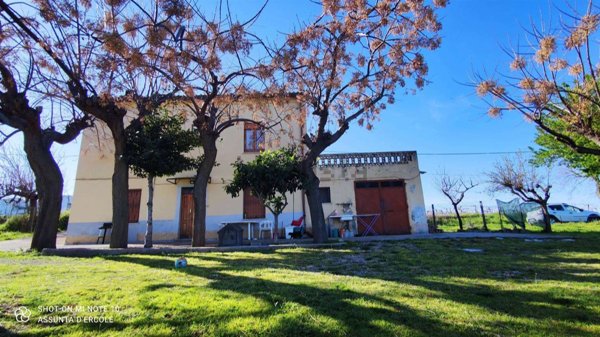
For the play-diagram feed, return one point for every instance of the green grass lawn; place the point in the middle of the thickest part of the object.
(408, 288)
(11, 235)
(473, 221)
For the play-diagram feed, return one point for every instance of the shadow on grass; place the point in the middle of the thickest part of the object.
(338, 310)
(7, 333)
(340, 304)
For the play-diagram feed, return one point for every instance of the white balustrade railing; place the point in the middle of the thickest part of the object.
(365, 159)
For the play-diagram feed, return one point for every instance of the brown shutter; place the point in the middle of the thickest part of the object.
(133, 198)
(253, 207)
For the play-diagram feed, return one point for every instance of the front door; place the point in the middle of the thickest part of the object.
(253, 207)
(186, 217)
(386, 198)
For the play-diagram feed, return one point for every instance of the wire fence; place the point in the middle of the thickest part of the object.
(470, 208)
(442, 217)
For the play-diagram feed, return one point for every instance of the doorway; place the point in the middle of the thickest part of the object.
(186, 216)
(386, 198)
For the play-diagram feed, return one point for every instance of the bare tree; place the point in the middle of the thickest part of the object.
(347, 65)
(517, 176)
(454, 188)
(17, 182)
(24, 103)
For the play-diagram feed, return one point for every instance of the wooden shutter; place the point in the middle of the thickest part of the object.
(253, 207)
(133, 200)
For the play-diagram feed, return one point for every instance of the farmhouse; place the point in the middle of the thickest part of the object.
(382, 190)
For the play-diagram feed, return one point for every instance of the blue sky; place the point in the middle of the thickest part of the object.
(445, 117)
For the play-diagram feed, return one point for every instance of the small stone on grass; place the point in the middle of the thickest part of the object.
(473, 250)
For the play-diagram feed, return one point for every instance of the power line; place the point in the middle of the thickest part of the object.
(469, 153)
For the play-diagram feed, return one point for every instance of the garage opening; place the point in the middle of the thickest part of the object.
(387, 198)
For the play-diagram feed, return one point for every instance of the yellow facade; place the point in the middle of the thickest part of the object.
(92, 196)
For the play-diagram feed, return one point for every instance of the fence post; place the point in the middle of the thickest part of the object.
(433, 213)
(522, 218)
(485, 227)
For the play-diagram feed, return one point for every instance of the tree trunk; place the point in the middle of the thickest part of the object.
(32, 202)
(460, 223)
(317, 217)
(120, 188)
(275, 233)
(49, 184)
(547, 221)
(148, 235)
(200, 187)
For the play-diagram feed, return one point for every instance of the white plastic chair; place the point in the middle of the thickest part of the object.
(265, 226)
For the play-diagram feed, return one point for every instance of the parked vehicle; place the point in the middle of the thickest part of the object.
(563, 213)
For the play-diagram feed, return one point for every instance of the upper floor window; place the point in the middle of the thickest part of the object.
(254, 138)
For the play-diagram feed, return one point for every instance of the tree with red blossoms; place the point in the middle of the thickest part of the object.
(214, 64)
(346, 67)
(555, 83)
(100, 56)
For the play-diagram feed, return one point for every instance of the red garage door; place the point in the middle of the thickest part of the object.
(387, 198)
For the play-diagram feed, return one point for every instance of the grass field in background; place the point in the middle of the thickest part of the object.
(472, 221)
(11, 235)
(514, 287)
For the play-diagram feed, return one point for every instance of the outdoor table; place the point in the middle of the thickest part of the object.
(250, 223)
(341, 217)
(366, 220)
(363, 220)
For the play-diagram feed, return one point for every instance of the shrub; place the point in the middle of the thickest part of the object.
(3, 219)
(17, 223)
(63, 221)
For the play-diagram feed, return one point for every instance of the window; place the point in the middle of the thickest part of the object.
(133, 200)
(556, 207)
(254, 138)
(325, 194)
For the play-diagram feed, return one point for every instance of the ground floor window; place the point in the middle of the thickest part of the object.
(325, 195)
